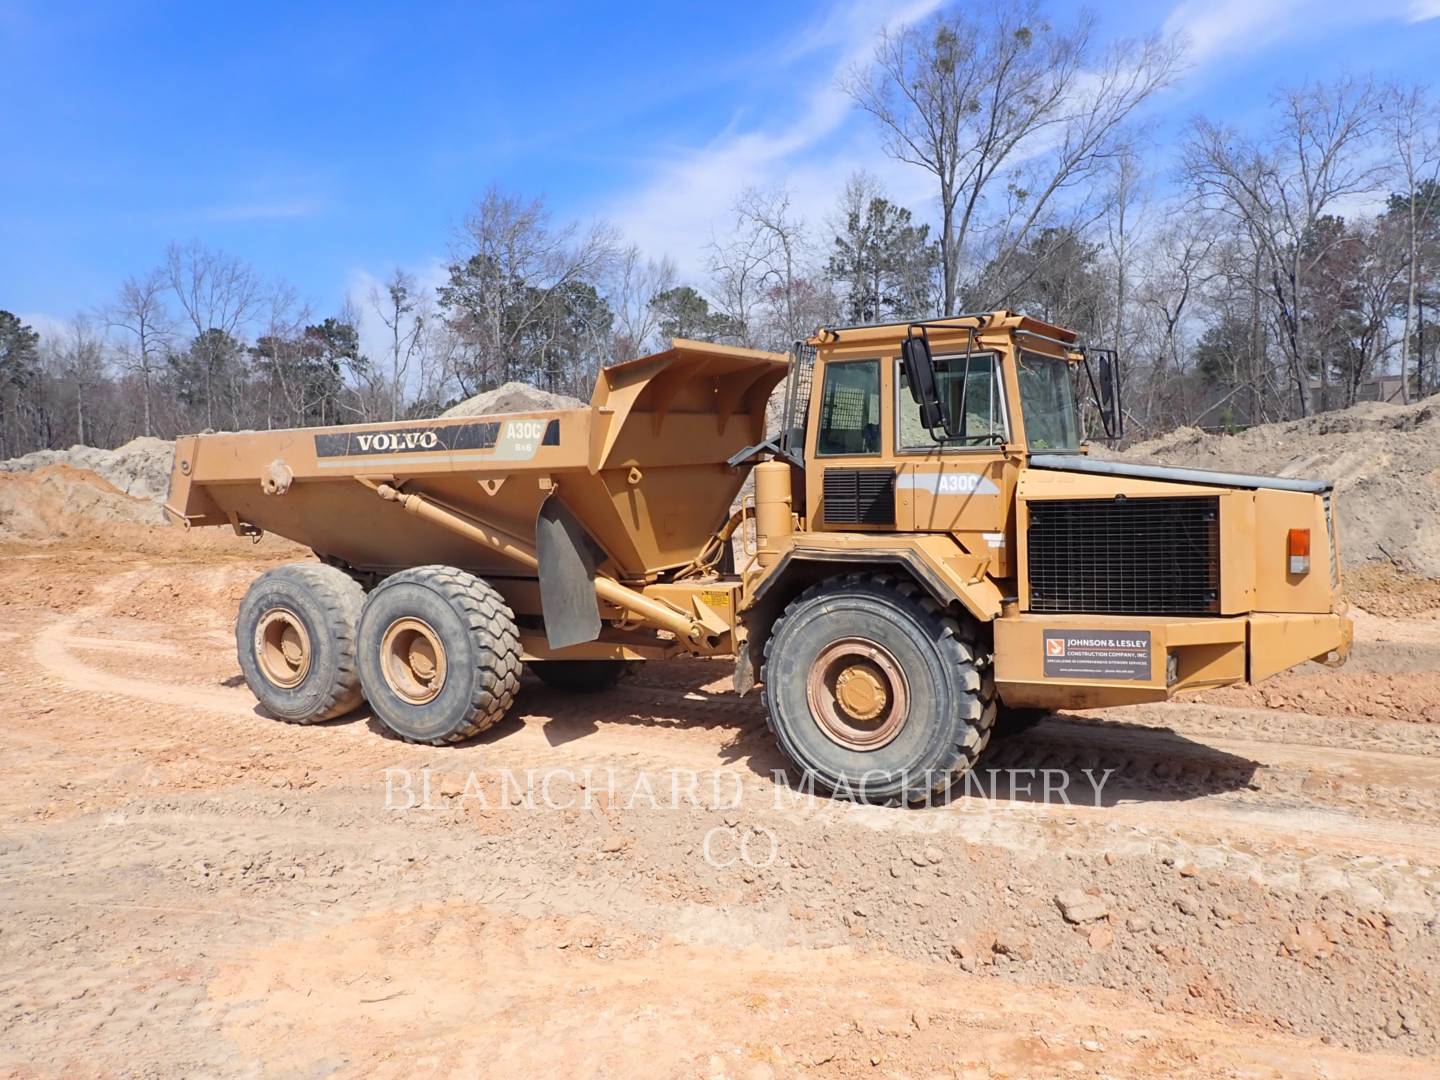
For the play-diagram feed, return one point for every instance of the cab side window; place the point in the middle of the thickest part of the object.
(850, 409)
(971, 388)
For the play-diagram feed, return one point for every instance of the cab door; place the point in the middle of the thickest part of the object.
(850, 481)
(960, 485)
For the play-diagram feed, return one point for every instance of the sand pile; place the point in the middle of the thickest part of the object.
(510, 398)
(140, 468)
(60, 500)
(1384, 460)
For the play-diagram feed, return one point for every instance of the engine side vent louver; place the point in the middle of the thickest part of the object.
(860, 496)
(1125, 556)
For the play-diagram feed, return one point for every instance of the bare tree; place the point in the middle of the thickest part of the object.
(1277, 189)
(1004, 100)
(82, 356)
(740, 269)
(217, 292)
(1179, 267)
(404, 312)
(1413, 128)
(442, 366)
(637, 282)
(1376, 270)
(1124, 202)
(279, 348)
(769, 215)
(514, 279)
(766, 276)
(139, 312)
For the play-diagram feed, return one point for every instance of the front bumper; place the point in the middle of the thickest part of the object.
(1091, 661)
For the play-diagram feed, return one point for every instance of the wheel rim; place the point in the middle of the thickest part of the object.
(412, 659)
(858, 694)
(282, 647)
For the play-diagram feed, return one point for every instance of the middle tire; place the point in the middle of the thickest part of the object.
(439, 654)
(875, 691)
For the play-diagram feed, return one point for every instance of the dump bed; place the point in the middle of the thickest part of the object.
(643, 468)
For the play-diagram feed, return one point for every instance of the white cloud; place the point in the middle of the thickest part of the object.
(49, 327)
(1211, 27)
(1215, 28)
(690, 194)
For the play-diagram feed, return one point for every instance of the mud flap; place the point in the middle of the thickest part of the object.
(567, 572)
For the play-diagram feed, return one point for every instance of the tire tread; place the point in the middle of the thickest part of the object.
(959, 639)
(492, 628)
(341, 597)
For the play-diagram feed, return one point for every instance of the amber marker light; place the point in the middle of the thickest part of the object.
(1299, 549)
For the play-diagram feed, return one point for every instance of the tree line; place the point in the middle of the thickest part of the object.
(1245, 276)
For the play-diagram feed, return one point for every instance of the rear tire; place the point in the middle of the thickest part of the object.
(580, 676)
(439, 654)
(876, 692)
(295, 639)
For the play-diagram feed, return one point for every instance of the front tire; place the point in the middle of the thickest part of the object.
(439, 654)
(295, 639)
(876, 692)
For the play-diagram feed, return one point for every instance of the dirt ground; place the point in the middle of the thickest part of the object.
(618, 885)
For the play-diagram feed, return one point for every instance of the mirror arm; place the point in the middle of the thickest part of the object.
(1095, 396)
(1115, 392)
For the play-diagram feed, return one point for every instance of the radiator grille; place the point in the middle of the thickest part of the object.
(1125, 556)
(860, 496)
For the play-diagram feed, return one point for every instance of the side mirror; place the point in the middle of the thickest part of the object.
(919, 366)
(1114, 416)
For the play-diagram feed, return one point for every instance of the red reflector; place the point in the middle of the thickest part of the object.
(1299, 542)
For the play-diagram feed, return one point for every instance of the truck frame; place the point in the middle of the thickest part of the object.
(927, 550)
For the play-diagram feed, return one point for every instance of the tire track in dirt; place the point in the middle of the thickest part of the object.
(221, 820)
(1197, 786)
(598, 736)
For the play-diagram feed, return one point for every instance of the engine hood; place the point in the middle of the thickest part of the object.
(1082, 464)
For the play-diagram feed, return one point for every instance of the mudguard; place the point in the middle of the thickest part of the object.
(567, 571)
(944, 569)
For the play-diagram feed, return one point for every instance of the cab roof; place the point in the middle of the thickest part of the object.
(988, 321)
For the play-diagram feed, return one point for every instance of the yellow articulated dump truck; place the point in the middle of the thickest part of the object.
(928, 550)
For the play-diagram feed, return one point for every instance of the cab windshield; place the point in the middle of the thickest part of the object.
(1047, 401)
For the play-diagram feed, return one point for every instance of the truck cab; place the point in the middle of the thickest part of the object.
(1096, 582)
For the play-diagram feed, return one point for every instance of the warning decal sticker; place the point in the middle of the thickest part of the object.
(1097, 654)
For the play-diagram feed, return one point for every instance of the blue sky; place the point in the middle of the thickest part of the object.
(327, 144)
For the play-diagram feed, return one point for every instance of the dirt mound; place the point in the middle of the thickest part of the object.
(511, 398)
(1383, 458)
(59, 501)
(140, 468)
